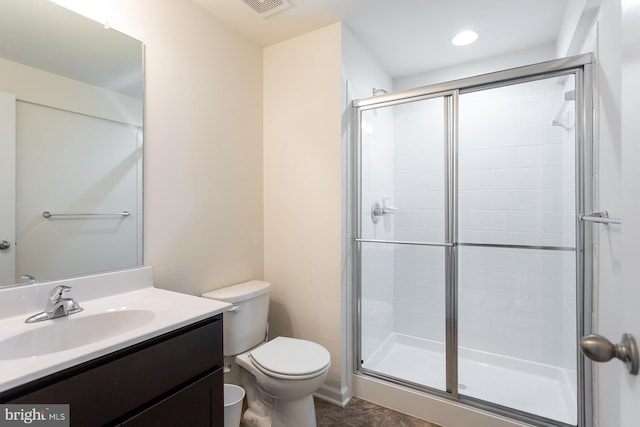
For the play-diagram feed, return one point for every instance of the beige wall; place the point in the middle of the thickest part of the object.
(302, 188)
(203, 143)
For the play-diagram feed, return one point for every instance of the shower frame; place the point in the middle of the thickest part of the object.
(581, 66)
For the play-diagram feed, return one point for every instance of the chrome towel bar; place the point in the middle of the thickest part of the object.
(48, 214)
(600, 217)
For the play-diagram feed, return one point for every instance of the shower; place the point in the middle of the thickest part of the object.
(474, 288)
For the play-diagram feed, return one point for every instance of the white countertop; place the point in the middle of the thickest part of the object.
(172, 311)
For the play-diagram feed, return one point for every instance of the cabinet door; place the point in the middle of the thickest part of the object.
(197, 405)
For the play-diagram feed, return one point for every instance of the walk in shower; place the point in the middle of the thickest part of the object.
(469, 253)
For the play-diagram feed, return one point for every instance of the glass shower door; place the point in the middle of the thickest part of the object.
(404, 240)
(472, 269)
(517, 247)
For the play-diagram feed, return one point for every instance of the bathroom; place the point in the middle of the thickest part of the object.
(243, 146)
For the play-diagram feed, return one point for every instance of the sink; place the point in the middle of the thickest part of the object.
(121, 309)
(65, 333)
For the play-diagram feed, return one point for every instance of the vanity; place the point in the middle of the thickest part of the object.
(134, 356)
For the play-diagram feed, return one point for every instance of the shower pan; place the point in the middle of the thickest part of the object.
(476, 288)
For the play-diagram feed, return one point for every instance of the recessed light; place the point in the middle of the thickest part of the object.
(464, 38)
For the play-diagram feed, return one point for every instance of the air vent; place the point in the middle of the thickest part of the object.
(267, 7)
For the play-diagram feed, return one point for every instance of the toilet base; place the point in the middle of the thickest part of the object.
(265, 411)
(289, 413)
(285, 413)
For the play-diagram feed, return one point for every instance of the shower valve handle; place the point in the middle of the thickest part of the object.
(378, 211)
(599, 349)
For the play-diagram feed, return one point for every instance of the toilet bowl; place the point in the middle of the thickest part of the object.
(283, 373)
(279, 376)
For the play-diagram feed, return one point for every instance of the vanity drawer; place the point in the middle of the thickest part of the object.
(193, 406)
(117, 386)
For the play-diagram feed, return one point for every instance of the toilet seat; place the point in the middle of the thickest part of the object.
(291, 358)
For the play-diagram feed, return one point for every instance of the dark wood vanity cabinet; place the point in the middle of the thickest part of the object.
(172, 380)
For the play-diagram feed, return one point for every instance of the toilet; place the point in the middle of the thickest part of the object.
(279, 376)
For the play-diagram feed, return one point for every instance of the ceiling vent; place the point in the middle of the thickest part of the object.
(267, 8)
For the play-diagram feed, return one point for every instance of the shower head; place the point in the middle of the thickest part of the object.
(377, 92)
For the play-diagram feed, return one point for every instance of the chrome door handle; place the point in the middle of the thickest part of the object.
(4, 245)
(599, 349)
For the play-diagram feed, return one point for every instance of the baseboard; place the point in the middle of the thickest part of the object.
(333, 395)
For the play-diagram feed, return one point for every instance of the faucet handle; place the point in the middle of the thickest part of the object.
(57, 292)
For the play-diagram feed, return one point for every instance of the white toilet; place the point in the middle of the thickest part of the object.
(279, 376)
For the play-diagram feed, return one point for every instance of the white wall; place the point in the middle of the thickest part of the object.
(577, 23)
(363, 71)
(628, 294)
(475, 68)
(302, 189)
(203, 143)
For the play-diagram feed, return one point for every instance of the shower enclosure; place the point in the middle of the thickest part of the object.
(471, 262)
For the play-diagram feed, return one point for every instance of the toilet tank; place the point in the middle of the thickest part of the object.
(245, 324)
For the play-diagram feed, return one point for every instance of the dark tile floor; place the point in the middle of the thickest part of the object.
(360, 413)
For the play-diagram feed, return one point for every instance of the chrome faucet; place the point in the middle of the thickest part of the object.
(57, 306)
(30, 278)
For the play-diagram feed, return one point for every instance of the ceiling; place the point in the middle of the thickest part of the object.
(407, 36)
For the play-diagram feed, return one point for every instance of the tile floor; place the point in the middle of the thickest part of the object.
(360, 413)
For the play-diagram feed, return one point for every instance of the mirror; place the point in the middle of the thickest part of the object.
(71, 107)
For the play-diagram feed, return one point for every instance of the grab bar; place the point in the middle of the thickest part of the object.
(600, 217)
(48, 214)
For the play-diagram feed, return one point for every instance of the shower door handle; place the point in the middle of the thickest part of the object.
(599, 349)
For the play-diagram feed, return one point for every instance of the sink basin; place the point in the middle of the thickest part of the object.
(69, 332)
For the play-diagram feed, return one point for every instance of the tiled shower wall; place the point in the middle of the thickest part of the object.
(515, 187)
(377, 269)
(419, 194)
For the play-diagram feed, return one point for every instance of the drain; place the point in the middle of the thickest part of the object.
(462, 386)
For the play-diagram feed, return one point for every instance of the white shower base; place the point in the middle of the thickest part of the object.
(543, 390)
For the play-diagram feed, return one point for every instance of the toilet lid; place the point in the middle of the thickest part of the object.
(291, 357)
